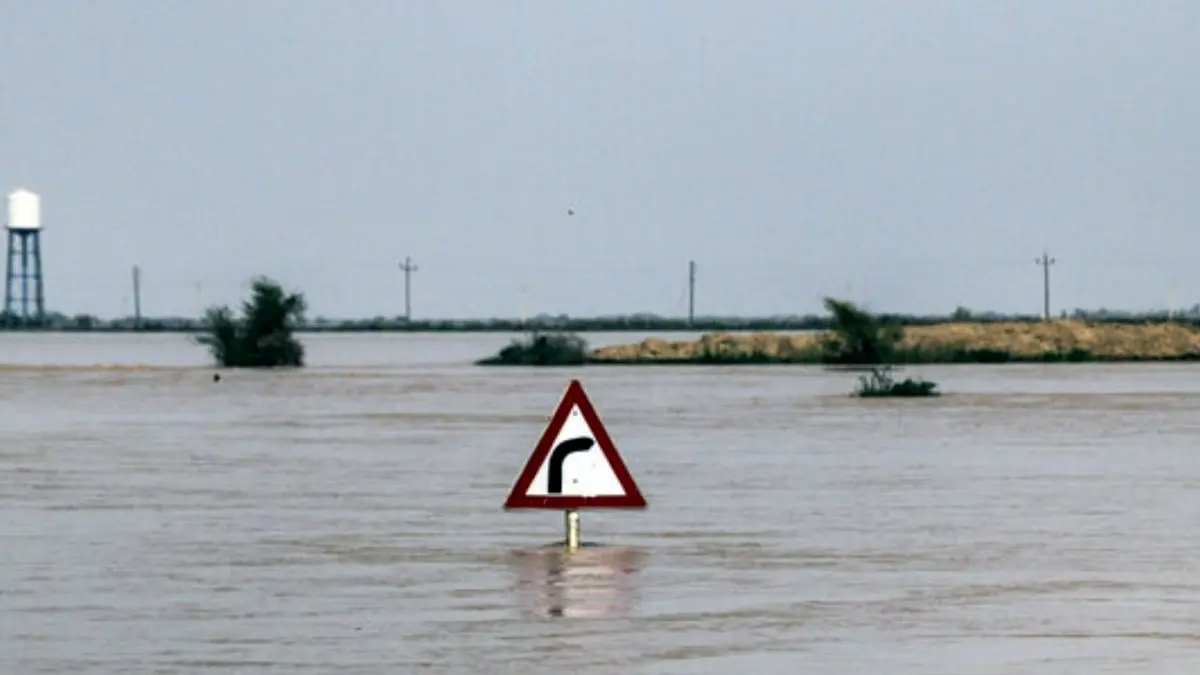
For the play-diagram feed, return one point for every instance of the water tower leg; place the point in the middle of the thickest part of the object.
(39, 290)
(8, 275)
(25, 276)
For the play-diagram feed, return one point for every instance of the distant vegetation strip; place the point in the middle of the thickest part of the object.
(631, 323)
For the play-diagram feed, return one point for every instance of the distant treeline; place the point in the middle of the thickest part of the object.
(635, 322)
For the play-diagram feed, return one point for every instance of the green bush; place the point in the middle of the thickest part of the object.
(858, 338)
(541, 349)
(263, 336)
(879, 383)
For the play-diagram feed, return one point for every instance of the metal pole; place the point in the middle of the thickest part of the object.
(524, 304)
(572, 523)
(8, 278)
(137, 297)
(691, 292)
(40, 285)
(25, 275)
(1045, 261)
(408, 268)
(1045, 287)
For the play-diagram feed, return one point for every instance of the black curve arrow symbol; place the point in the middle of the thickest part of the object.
(558, 456)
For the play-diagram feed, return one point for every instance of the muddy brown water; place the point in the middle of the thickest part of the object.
(347, 518)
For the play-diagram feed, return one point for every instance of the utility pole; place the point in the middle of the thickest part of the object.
(137, 297)
(408, 268)
(524, 303)
(691, 292)
(1045, 261)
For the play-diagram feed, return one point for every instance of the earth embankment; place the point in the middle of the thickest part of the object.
(1063, 340)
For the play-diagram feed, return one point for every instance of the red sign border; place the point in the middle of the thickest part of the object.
(575, 396)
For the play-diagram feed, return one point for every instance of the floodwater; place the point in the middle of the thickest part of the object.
(347, 518)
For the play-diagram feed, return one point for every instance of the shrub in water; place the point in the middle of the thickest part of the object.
(262, 337)
(541, 349)
(879, 383)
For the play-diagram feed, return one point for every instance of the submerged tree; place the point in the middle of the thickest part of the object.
(857, 337)
(262, 337)
(879, 383)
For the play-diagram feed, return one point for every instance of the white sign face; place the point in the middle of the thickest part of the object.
(576, 466)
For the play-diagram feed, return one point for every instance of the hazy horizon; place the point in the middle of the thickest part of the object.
(911, 156)
(312, 316)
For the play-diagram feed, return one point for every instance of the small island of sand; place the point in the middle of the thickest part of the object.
(1064, 340)
(856, 337)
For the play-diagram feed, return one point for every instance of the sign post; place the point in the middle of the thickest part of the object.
(572, 520)
(575, 466)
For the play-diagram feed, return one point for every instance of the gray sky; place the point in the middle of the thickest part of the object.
(912, 155)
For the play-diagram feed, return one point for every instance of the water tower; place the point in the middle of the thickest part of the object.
(24, 257)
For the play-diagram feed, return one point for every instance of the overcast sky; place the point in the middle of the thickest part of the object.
(912, 155)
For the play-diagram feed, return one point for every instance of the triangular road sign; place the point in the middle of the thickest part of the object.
(575, 464)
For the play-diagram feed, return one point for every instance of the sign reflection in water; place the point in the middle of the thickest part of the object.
(592, 582)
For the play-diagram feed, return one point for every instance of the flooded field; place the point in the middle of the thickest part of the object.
(347, 518)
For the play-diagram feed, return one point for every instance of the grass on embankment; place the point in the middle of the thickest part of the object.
(1016, 342)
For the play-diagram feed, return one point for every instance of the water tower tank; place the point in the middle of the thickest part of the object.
(24, 210)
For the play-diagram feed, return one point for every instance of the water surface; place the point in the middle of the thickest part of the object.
(347, 518)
